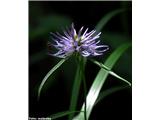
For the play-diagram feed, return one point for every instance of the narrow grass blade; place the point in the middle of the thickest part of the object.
(108, 92)
(119, 77)
(100, 79)
(62, 114)
(109, 70)
(106, 18)
(48, 74)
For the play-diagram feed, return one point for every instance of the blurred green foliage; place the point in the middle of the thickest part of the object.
(47, 24)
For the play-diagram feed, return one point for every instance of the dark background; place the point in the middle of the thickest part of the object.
(45, 17)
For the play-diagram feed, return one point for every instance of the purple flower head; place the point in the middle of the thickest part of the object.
(86, 43)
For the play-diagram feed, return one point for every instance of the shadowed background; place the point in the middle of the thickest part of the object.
(45, 17)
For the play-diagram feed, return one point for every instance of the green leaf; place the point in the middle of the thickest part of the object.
(48, 75)
(62, 114)
(119, 77)
(100, 79)
(47, 24)
(106, 18)
(109, 70)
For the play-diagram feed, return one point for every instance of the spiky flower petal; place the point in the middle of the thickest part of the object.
(86, 43)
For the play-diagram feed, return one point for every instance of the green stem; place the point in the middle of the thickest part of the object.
(75, 92)
(84, 84)
(76, 85)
